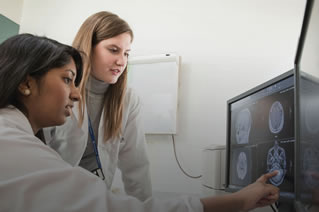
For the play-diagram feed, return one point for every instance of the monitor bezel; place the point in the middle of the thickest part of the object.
(303, 33)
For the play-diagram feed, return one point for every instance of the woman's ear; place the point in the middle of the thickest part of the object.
(25, 86)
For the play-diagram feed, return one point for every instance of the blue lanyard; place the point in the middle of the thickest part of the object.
(94, 144)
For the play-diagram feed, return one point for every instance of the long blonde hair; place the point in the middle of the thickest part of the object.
(100, 26)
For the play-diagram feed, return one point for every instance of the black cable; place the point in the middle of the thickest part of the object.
(309, 206)
(179, 165)
(273, 209)
(277, 204)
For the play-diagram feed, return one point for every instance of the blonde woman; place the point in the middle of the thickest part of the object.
(108, 133)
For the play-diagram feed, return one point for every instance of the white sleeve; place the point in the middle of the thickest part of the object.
(133, 159)
(75, 189)
(34, 178)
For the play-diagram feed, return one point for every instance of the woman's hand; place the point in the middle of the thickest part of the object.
(259, 194)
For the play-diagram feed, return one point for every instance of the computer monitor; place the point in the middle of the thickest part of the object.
(280, 120)
(260, 135)
(307, 112)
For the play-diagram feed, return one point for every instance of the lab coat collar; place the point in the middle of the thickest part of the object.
(84, 125)
(13, 116)
(76, 110)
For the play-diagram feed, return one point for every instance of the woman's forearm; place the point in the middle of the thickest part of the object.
(225, 203)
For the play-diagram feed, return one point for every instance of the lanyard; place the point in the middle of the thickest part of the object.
(94, 144)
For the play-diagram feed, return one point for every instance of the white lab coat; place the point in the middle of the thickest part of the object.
(34, 178)
(128, 152)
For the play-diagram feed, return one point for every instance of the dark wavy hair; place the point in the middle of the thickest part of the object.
(29, 55)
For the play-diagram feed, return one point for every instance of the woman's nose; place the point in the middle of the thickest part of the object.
(121, 60)
(75, 94)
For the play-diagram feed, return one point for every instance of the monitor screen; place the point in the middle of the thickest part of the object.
(260, 135)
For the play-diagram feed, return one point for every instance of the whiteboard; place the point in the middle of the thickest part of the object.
(155, 78)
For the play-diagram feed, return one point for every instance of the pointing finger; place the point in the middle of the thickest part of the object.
(267, 176)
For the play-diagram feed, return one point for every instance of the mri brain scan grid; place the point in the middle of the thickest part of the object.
(262, 138)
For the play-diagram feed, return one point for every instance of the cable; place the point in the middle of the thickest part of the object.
(179, 165)
(309, 207)
(277, 204)
(273, 209)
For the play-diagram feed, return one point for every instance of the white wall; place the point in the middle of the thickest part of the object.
(12, 9)
(227, 47)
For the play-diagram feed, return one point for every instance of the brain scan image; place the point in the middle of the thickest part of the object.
(243, 125)
(276, 160)
(276, 117)
(242, 165)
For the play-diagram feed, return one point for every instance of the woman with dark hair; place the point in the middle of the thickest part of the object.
(26, 62)
(38, 79)
(26, 56)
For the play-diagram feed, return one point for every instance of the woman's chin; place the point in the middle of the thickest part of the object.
(60, 121)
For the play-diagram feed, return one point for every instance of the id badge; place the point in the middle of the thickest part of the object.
(98, 172)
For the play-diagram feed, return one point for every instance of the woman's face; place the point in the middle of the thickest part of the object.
(52, 98)
(109, 58)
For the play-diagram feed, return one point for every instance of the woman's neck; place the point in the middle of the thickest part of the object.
(96, 86)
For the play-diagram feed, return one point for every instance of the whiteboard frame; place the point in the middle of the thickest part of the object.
(153, 124)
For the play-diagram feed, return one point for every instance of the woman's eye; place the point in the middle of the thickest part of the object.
(113, 50)
(67, 80)
(127, 54)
